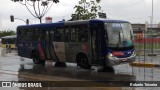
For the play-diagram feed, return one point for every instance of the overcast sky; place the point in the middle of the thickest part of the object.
(134, 11)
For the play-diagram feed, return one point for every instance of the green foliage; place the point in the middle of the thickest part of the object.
(7, 33)
(86, 10)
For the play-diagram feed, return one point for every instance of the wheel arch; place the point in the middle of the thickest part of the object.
(40, 61)
(80, 54)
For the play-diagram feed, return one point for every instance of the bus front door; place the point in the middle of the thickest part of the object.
(96, 44)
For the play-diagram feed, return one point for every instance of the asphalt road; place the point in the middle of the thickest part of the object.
(14, 68)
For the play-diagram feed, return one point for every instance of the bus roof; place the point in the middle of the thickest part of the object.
(114, 21)
(74, 23)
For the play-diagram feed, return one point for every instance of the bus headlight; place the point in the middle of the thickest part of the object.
(133, 53)
(110, 55)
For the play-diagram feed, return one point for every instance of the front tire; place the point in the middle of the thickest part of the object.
(37, 59)
(82, 61)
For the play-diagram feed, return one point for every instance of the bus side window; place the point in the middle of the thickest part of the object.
(57, 36)
(19, 33)
(22, 35)
(38, 35)
(29, 35)
(51, 36)
(67, 34)
(73, 34)
(83, 34)
(62, 37)
(36, 31)
(79, 33)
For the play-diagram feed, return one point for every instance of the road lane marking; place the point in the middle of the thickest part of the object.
(37, 77)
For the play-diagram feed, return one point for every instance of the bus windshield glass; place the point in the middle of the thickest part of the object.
(119, 34)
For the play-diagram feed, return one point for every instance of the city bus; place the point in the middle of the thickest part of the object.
(9, 41)
(86, 42)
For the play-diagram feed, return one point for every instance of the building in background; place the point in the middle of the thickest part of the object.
(140, 28)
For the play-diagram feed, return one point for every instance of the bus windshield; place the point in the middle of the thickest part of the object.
(119, 34)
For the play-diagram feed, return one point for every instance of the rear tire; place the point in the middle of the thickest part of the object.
(37, 59)
(82, 61)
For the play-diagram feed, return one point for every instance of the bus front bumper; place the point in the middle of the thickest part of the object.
(118, 61)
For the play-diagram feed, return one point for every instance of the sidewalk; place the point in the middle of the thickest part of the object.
(4, 52)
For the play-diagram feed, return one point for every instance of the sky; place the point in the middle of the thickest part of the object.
(134, 11)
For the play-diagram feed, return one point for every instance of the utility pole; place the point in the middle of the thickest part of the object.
(152, 29)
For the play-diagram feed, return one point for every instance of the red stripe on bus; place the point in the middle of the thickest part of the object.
(41, 51)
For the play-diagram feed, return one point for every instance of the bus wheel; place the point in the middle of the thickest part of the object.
(82, 61)
(36, 58)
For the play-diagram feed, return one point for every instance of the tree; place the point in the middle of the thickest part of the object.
(86, 10)
(38, 8)
(7, 33)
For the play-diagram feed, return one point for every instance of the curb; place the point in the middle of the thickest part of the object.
(148, 55)
(144, 64)
(152, 54)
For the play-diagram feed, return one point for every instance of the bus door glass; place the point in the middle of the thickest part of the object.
(48, 44)
(58, 44)
(96, 43)
(39, 42)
